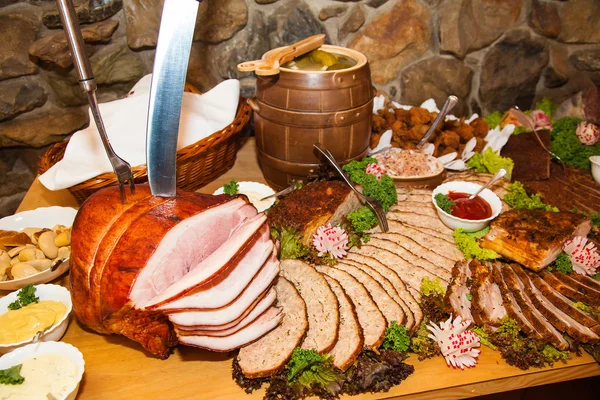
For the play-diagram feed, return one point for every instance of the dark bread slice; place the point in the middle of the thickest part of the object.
(269, 354)
(371, 320)
(321, 304)
(350, 338)
(388, 307)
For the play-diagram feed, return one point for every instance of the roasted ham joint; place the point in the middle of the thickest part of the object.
(193, 269)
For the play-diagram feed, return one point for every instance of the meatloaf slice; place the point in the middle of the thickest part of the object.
(390, 309)
(570, 288)
(428, 239)
(350, 339)
(321, 304)
(510, 304)
(409, 321)
(269, 354)
(371, 320)
(392, 276)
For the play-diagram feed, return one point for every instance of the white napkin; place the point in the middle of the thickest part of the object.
(125, 121)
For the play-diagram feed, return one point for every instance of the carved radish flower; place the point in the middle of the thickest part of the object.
(332, 240)
(541, 119)
(456, 343)
(374, 169)
(588, 134)
(584, 257)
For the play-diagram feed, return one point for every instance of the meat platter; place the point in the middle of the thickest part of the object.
(417, 245)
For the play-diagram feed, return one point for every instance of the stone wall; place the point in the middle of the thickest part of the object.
(491, 53)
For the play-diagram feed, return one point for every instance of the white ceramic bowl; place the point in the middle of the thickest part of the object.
(18, 356)
(44, 292)
(466, 224)
(255, 191)
(595, 160)
(44, 217)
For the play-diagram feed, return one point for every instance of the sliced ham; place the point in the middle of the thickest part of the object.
(350, 339)
(269, 354)
(231, 251)
(321, 304)
(371, 320)
(265, 323)
(231, 328)
(261, 282)
(223, 290)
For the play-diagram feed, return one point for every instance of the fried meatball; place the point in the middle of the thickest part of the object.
(480, 127)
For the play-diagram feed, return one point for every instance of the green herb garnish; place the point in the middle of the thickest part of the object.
(469, 296)
(518, 198)
(491, 162)
(467, 243)
(362, 219)
(11, 376)
(231, 187)
(396, 338)
(566, 145)
(444, 202)
(563, 263)
(25, 297)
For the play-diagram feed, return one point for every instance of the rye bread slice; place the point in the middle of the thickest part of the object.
(321, 304)
(269, 354)
(402, 289)
(388, 307)
(409, 320)
(350, 338)
(371, 320)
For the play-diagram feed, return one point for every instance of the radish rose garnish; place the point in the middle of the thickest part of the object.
(332, 240)
(455, 342)
(584, 257)
(374, 169)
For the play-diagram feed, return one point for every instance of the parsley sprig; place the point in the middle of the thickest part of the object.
(25, 297)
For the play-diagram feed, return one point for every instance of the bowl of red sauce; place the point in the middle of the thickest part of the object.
(469, 214)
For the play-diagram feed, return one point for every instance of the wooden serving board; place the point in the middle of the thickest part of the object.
(117, 368)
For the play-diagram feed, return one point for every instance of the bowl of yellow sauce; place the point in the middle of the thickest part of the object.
(47, 315)
(48, 370)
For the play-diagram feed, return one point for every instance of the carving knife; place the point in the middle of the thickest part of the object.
(166, 93)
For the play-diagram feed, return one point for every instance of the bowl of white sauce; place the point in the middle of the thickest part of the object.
(49, 370)
(255, 191)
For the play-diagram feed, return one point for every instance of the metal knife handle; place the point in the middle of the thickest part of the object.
(68, 16)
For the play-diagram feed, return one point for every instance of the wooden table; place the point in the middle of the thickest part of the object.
(117, 368)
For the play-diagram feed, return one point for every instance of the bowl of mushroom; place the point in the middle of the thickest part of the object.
(35, 246)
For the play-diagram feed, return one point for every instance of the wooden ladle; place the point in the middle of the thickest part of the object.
(270, 65)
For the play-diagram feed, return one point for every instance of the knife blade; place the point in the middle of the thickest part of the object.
(173, 48)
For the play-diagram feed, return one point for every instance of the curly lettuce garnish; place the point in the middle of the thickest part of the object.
(444, 202)
(491, 162)
(467, 243)
(518, 198)
(231, 187)
(396, 338)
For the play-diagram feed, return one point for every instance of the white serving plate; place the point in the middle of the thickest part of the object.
(44, 292)
(467, 225)
(44, 217)
(256, 187)
(31, 350)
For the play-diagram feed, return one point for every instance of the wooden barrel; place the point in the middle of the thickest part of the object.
(295, 109)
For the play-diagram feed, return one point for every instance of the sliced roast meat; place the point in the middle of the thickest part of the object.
(350, 339)
(457, 295)
(403, 290)
(371, 320)
(388, 307)
(486, 305)
(570, 288)
(420, 250)
(321, 304)
(269, 354)
(411, 275)
(537, 319)
(414, 259)
(417, 208)
(228, 329)
(565, 305)
(533, 238)
(510, 304)
(579, 282)
(443, 246)
(230, 252)
(420, 220)
(234, 310)
(552, 313)
(228, 286)
(263, 324)
(587, 281)
(409, 320)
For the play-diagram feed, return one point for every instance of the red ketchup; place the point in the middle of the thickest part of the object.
(474, 209)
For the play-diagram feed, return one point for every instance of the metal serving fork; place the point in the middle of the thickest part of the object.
(87, 83)
(370, 201)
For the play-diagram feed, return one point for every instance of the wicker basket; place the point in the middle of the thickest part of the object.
(197, 164)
